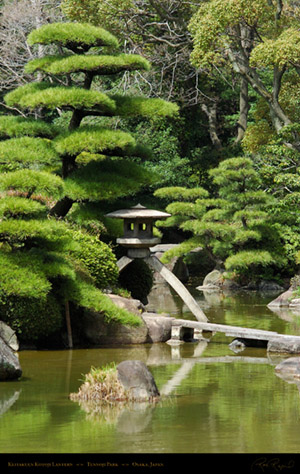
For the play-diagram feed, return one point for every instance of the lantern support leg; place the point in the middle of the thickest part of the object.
(123, 262)
(175, 283)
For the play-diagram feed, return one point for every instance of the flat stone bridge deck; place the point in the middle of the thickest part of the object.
(187, 330)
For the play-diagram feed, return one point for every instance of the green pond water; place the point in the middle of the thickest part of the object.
(218, 401)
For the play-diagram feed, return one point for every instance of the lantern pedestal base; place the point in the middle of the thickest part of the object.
(138, 253)
(170, 278)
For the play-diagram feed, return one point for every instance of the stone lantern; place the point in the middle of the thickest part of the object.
(138, 229)
(138, 238)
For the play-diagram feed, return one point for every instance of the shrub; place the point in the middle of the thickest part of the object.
(98, 258)
(31, 318)
(101, 385)
(138, 279)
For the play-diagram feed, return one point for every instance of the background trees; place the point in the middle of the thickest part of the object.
(159, 30)
(234, 226)
(18, 18)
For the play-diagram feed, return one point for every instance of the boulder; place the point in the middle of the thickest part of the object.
(159, 327)
(283, 299)
(215, 281)
(213, 278)
(135, 377)
(288, 344)
(130, 304)
(9, 336)
(9, 363)
(98, 332)
(295, 302)
(237, 346)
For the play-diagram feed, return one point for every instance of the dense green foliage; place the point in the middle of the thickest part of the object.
(91, 252)
(32, 319)
(137, 278)
(45, 169)
(235, 227)
(105, 134)
(74, 36)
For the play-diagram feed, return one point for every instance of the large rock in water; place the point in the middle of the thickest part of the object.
(135, 376)
(159, 327)
(288, 344)
(9, 363)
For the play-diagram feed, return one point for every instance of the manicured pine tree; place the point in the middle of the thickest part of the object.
(235, 227)
(46, 170)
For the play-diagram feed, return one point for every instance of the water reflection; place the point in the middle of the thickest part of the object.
(8, 399)
(209, 394)
(289, 371)
(126, 418)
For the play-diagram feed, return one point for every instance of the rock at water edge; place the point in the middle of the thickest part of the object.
(135, 377)
(159, 327)
(9, 363)
(9, 336)
(289, 345)
(282, 300)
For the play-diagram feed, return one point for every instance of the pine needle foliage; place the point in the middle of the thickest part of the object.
(128, 106)
(235, 228)
(15, 127)
(32, 182)
(94, 140)
(98, 65)
(18, 207)
(45, 170)
(102, 181)
(73, 36)
(27, 151)
(68, 98)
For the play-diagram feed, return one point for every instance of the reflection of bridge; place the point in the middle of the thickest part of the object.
(185, 330)
(186, 364)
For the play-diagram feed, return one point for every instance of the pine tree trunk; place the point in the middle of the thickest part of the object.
(62, 207)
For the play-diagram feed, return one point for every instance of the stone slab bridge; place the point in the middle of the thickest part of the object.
(187, 330)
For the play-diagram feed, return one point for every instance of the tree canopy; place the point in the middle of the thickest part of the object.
(46, 168)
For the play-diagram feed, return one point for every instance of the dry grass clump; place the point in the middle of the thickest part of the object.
(101, 385)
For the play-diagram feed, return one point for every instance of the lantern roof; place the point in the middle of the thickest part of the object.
(138, 211)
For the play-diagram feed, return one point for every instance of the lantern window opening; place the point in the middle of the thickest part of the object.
(142, 226)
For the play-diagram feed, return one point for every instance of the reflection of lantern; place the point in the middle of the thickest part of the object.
(138, 229)
(138, 238)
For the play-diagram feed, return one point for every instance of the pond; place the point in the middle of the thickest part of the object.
(218, 401)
